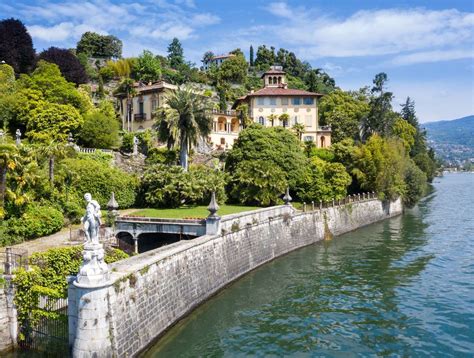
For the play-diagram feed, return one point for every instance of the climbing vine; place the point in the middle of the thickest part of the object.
(47, 277)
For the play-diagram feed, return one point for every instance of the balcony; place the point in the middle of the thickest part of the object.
(324, 128)
(224, 113)
(139, 117)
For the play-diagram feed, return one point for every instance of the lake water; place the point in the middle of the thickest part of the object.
(402, 287)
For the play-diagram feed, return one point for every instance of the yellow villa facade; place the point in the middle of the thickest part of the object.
(266, 106)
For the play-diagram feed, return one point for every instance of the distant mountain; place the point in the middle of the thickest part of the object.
(452, 140)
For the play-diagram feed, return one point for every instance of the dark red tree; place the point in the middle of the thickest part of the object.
(67, 62)
(16, 46)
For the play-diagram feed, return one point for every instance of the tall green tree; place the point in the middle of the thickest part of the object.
(96, 45)
(148, 67)
(69, 65)
(408, 112)
(381, 116)
(233, 69)
(175, 54)
(54, 150)
(8, 152)
(207, 57)
(319, 81)
(343, 111)
(188, 118)
(16, 46)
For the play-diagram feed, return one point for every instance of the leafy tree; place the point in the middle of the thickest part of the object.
(379, 165)
(272, 118)
(52, 121)
(185, 121)
(343, 111)
(175, 53)
(427, 164)
(96, 45)
(324, 181)
(318, 81)
(405, 132)
(233, 69)
(71, 68)
(207, 57)
(408, 112)
(251, 56)
(265, 58)
(8, 152)
(99, 131)
(16, 46)
(8, 96)
(415, 180)
(272, 144)
(148, 67)
(53, 150)
(258, 182)
(243, 113)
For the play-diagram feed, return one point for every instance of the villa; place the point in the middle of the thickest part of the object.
(216, 60)
(266, 106)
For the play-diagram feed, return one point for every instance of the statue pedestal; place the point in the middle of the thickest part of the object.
(94, 272)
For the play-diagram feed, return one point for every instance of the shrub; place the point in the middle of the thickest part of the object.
(145, 141)
(415, 180)
(171, 186)
(101, 180)
(162, 156)
(258, 182)
(99, 131)
(36, 221)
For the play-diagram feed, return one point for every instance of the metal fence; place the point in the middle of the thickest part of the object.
(49, 334)
(12, 259)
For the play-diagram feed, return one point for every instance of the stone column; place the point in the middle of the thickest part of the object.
(88, 300)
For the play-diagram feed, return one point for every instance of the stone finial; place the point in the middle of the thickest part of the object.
(112, 204)
(18, 137)
(287, 198)
(213, 207)
(70, 139)
(135, 145)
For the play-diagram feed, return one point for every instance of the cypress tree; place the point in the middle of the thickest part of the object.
(251, 55)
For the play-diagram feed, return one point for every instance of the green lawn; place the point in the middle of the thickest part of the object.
(191, 211)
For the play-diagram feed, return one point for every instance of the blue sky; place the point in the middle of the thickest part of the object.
(425, 47)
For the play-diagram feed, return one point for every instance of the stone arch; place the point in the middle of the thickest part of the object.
(322, 141)
(235, 125)
(261, 120)
(279, 80)
(221, 124)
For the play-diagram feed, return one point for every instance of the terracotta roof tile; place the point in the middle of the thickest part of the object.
(280, 91)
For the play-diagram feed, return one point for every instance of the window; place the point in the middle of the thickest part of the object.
(222, 140)
(261, 120)
(308, 100)
(309, 138)
(154, 104)
(308, 121)
(261, 101)
(284, 101)
(140, 107)
(296, 101)
(273, 101)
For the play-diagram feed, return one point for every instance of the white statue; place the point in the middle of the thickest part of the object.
(18, 137)
(91, 220)
(135, 145)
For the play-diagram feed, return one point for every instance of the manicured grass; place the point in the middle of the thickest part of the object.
(191, 211)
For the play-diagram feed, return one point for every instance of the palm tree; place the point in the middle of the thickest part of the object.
(8, 153)
(53, 150)
(243, 110)
(284, 118)
(299, 130)
(185, 121)
(272, 118)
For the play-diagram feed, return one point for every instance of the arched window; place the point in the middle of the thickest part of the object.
(261, 120)
(279, 80)
(269, 80)
(323, 142)
(274, 80)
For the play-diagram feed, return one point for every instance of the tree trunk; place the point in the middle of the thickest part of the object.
(183, 154)
(3, 185)
(51, 169)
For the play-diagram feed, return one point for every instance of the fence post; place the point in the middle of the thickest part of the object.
(320, 205)
(312, 205)
(304, 206)
(8, 261)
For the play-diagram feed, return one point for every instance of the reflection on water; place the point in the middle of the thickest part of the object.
(403, 287)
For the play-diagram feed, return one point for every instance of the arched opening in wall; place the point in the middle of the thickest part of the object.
(275, 80)
(235, 125)
(151, 241)
(322, 141)
(125, 242)
(261, 120)
(221, 124)
(279, 80)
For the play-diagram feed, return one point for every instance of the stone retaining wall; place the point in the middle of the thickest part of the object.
(150, 292)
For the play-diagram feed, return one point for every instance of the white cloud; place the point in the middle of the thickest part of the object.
(58, 32)
(373, 32)
(432, 56)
